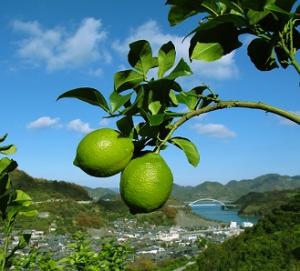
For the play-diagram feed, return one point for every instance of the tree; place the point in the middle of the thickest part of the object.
(148, 108)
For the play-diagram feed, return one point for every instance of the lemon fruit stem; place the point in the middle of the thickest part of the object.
(227, 104)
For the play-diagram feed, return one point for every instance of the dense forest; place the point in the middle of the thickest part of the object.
(273, 244)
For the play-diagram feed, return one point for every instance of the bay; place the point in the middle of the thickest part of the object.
(215, 212)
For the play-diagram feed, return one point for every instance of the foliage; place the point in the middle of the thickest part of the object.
(273, 244)
(233, 190)
(42, 189)
(13, 203)
(273, 23)
(81, 256)
(259, 204)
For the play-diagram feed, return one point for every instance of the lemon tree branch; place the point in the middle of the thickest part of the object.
(229, 104)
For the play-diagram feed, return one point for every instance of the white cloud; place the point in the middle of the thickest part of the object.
(78, 125)
(224, 68)
(214, 130)
(287, 122)
(57, 48)
(43, 122)
(103, 122)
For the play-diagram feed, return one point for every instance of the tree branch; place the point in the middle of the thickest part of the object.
(229, 104)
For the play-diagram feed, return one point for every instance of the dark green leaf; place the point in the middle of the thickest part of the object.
(261, 54)
(282, 57)
(9, 149)
(211, 44)
(257, 5)
(117, 100)
(285, 4)
(7, 165)
(89, 95)
(24, 240)
(156, 120)
(182, 69)
(140, 56)
(273, 7)
(256, 16)
(183, 9)
(189, 149)
(127, 79)
(2, 138)
(166, 58)
(125, 125)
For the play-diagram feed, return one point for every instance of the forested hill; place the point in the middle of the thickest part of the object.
(273, 244)
(41, 189)
(261, 203)
(235, 189)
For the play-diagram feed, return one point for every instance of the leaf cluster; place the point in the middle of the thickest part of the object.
(273, 23)
(147, 98)
(13, 203)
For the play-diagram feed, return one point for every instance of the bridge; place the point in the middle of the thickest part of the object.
(224, 204)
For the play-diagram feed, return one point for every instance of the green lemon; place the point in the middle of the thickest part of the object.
(146, 183)
(103, 152)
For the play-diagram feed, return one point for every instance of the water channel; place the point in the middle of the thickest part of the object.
(214, 211)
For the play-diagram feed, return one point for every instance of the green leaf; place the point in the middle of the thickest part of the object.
(22, 198)
(127, 79)
(125, 125)
(166, 58)
(183, 9)
(29, 213)
(140, 56)
(261, 54)
(213, 43)
(117, 100)
(9, 149)
(182, 69)
(154, 107)
(7, 165)
(273, 7)
(88, 95)
(285, 4)
(189, 100)
(156, 120)
(189, 149)
(256, 16)
(207, 51)
(173, 98)
(2, 138)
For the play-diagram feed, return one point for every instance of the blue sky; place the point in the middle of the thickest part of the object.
(48, 47)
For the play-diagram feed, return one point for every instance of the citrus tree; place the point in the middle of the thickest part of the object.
(13, 203)
(147, 99)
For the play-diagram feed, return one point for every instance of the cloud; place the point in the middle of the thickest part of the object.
(44, 122)
(103, 122)
(214, 130)
(59, 49)
(224, 68)
(287, 122)
(78, 125)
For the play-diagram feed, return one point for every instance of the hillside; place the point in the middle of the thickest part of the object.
(100, 193)
(233, 190)
(69, 207)
(42, 189)
(257, 203)
(273, 244)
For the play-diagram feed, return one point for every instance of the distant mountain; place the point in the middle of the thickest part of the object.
(42, 189)
(261, 203)
(235, 189)
(100, 193)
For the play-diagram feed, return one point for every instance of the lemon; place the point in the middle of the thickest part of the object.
(146, 183)
(103, 152)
